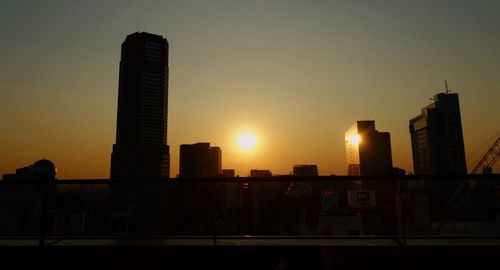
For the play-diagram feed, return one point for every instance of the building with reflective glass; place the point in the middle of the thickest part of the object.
(368, 151)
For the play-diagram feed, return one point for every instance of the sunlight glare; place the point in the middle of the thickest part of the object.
(354, 138)
(246, 141)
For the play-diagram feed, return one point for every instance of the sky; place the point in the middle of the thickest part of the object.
(297, 74)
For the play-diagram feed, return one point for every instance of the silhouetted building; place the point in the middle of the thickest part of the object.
(141, 149)
(228, 173)
(305, 170)
(200, 160)
(436, 137)
(368, 151)
(42, 170)
(23, 206)
(260, 173)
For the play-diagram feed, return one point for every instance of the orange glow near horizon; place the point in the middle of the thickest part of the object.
(236, 67)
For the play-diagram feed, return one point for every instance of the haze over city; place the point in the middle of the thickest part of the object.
(296, 75)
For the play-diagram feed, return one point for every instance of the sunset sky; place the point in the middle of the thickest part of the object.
(295, 74)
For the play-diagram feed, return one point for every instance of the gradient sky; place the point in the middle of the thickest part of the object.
(297, 73)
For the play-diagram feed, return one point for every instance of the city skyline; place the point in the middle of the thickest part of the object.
(295, 75)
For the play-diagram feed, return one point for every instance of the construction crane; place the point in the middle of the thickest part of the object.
(467, 187)
(491, 156)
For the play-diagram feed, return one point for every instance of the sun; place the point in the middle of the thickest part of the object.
(247, 141)
(354, 138)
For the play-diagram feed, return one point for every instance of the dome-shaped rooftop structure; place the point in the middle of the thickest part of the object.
(44, 169)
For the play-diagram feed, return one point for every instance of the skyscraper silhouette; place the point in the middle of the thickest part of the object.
(436, 137)
(368, 150)
(199, 160)
(141, 149)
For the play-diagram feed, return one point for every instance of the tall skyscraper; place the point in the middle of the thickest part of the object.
(368, 151)
(200, 160)
(436, 137)
(141, 149)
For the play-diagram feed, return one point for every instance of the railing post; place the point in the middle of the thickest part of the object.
(214, 210)
(42, 226)
(400, 212)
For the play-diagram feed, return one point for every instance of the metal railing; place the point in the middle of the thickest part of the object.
(215, 211)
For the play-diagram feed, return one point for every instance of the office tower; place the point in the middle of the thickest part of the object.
(141, 149)
(436, 137)
(368, 151)
(200, 160)
(305, 170)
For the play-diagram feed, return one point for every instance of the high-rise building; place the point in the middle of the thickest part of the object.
(141, 149)
(200, 160)
(368, 150)
(436, 137)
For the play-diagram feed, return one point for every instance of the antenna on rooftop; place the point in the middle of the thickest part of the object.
(446, 87)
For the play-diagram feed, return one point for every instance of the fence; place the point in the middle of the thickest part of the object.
(209, 211)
